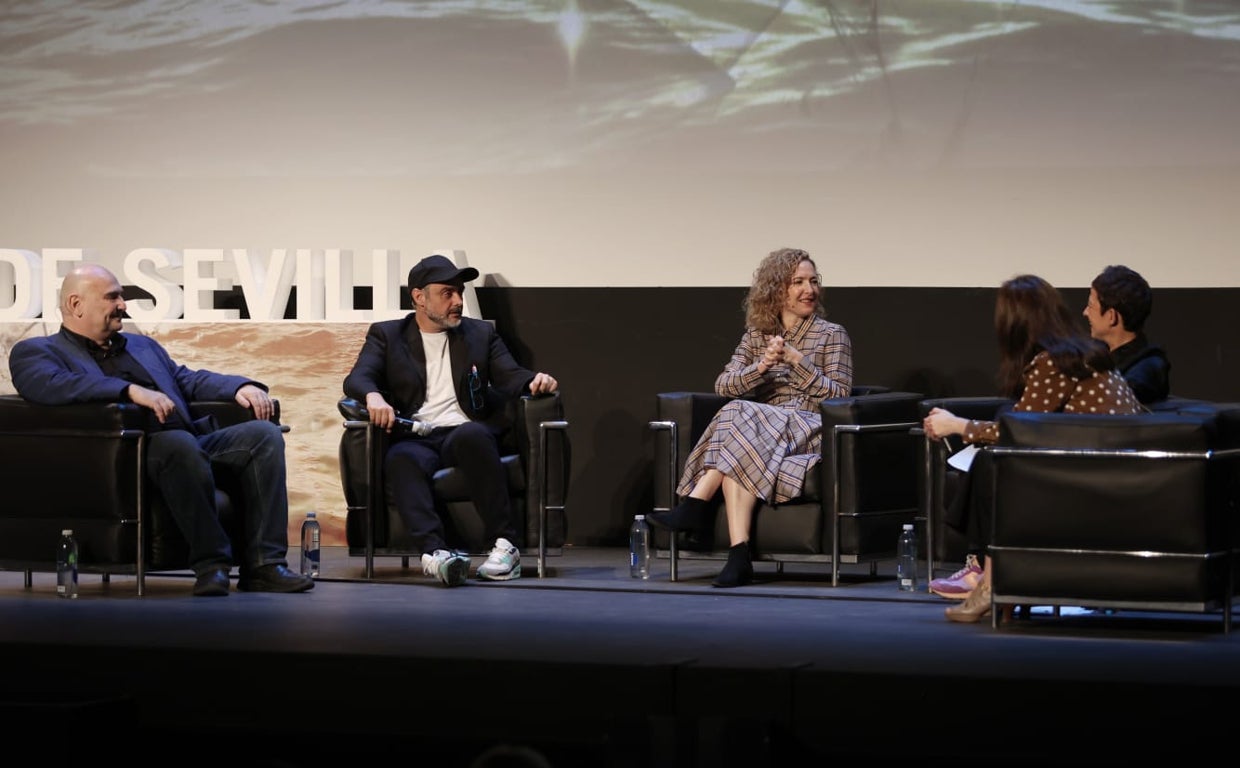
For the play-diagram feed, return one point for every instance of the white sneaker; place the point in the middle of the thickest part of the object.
(449, 567)
(503, 564)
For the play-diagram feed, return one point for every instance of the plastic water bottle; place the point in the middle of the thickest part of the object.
(310, 545)
(67, 565)
(906, 559)
(639, 548)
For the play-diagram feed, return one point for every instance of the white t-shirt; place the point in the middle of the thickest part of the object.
(441, 408)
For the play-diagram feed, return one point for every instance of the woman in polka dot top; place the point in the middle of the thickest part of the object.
(1047, 364)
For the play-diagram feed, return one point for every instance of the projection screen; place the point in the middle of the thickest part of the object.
(603, 143)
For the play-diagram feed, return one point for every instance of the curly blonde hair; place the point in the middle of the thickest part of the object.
(764, 303)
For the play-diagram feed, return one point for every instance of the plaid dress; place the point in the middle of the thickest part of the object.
(770, 436)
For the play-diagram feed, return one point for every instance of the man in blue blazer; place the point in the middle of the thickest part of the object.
(91, 360)
(441, 370)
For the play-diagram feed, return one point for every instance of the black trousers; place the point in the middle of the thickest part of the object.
(971, 510)
(410, 466)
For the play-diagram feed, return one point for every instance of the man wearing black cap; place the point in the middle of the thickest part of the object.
(439, 370)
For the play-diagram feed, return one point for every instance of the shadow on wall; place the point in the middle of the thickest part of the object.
(933, 383)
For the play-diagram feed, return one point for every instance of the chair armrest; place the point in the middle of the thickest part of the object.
(230, 412)
(1146, 431)
(868, 389)
(352, 410)
(868, 452)
(532, 412)
(983, 408)
(691, 411)
(876, 408)
(20, 416)
(546, 454)
(933, 453)
(680, 420)
(358, 444)
(1177, 404)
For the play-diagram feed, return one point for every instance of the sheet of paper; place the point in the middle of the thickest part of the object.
(963, 458)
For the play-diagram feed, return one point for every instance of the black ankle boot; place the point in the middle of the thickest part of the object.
(695, 518)
(738, 571)
(689, 515)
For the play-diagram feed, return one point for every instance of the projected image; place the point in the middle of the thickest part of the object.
(520, 131)
(507, 87)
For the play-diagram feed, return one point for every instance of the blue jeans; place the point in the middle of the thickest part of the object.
(184, 467)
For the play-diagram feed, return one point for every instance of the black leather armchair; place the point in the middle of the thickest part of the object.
(937, 483)
(854, 503)
(536, 454)
(1125, 512)
(82, 467)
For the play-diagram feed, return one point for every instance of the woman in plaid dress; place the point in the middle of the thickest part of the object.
(762, 444)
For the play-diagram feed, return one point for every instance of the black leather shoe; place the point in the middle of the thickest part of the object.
(212, 583)
(274, 578)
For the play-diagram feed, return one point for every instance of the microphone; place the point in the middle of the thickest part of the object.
(417, 427)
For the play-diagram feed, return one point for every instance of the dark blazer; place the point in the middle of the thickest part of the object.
(392, 362)
(57, 370)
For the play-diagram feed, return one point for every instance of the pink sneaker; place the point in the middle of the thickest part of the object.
(960, 584)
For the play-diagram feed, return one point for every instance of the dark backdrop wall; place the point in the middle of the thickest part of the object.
(613, 349)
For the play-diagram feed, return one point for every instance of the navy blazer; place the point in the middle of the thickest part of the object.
(57, 370)
(392, 362)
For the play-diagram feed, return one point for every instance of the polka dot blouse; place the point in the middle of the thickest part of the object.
(1050, 390)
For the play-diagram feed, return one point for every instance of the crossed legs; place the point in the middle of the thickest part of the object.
(693, 514)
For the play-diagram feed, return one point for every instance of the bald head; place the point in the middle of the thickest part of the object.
(91, 302)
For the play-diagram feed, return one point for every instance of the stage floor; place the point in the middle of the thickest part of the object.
(588, 666)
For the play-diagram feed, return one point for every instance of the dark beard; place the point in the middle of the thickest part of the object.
(446, 322)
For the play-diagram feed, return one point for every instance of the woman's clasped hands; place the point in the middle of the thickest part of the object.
(772, 355)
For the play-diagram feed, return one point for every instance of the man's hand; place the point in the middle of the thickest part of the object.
(381, 413)
(542, 382)
(256, 398)
(157, 401)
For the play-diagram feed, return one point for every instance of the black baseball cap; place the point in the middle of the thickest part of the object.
(439, 269)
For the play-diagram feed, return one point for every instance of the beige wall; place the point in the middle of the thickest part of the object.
(304, 364)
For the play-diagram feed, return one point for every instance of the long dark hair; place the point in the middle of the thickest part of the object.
(1030, 316)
